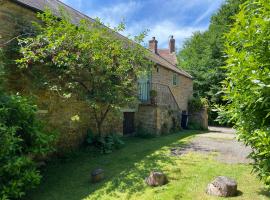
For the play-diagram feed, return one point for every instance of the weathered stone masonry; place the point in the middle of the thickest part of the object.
(55, 111)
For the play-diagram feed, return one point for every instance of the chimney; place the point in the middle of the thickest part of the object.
(153, 45)
(172, 45)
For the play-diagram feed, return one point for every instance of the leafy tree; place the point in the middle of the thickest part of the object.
(203, 54)
(86, 60)
(22, 140)
(247, 86)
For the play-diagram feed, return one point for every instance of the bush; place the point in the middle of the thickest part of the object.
(247, 86)
(196, 104)
(105, 144)
(153, 93)
(22, 139)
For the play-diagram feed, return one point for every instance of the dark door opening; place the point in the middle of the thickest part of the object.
(128, 123)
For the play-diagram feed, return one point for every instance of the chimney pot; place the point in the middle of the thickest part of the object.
(153, 45)
(172, 44)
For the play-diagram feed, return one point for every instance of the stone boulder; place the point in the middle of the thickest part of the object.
(223, 187)
(97, 175)
(156, 179)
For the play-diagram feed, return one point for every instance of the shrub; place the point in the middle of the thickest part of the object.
(106, 144)
(247, 86)
(196, 104)
(22, 139)
(153, 93)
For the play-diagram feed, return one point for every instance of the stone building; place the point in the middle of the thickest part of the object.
(163, 94)
(173, 88)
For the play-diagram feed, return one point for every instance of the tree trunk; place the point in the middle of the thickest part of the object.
(100, 120)
(99, 125)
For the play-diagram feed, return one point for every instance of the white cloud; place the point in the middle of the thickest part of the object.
(208, 12)
(162, 31)
(115, 14)
(169, 25)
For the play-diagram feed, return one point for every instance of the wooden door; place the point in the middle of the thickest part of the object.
(128, 123)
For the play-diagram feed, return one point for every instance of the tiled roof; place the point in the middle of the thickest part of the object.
(165, 63)
(171, 57)
(76, 16)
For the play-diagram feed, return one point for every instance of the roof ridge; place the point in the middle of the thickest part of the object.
(61, 2)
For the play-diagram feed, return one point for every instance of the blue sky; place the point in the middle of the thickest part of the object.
(161, 17)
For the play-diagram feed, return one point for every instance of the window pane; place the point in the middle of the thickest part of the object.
(174, 79)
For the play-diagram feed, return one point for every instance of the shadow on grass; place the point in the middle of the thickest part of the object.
(264, 192)
(239, 193)
(125, 170)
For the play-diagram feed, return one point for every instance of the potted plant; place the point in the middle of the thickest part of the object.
(153, 96)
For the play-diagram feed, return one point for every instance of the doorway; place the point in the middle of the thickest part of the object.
(128, 123)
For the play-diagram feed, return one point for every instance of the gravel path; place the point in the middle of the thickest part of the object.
(220, 140)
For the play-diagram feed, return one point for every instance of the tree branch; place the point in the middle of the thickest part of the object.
(14, 38)
(83, 85)
(103, 115)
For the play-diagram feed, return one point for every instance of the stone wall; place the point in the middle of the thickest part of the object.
(199, 118)
(11, 18)
(146, 117)
(55, 111)
(157, 119)
(182, 91)
(167, 120)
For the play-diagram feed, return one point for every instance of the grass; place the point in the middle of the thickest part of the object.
(126, 169)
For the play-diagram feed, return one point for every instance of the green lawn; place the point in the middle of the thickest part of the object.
(127, 168)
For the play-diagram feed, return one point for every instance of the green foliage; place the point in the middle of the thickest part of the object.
(247, 86)
(86, 60)
(197, 103)
(105, 144)
(203, 54)
(22, 139)
(153, 93)
(2, 64)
